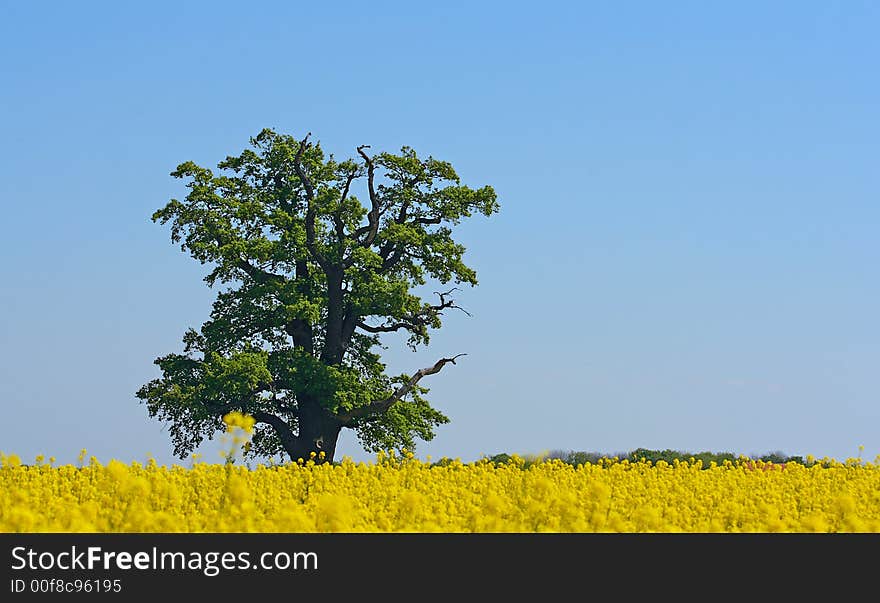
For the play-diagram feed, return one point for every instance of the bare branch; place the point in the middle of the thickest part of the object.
(387, 328)
(373, 227)
(418, 321)
(448, 304)
(403, 390)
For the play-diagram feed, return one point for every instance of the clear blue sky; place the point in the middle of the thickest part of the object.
(686, 255)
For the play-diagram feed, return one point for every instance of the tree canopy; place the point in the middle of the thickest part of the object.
(312, 276)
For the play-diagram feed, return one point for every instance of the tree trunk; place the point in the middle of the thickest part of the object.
(333, 350)
(318, 432)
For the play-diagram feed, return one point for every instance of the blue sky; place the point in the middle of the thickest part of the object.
(686, 254)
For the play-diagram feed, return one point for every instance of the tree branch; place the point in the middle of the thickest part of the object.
(392, 259)
(373, 216)
(337, 216)
(281, 427)
(403, 390)
(387, 328)
(258, 274)
(417, 321)
(447, 304)
(297, 164)
(241, 403)
(221, 409)
(310, 204)
(390, 252)
(300, 331)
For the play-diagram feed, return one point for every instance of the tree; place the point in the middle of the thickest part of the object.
(314, 277)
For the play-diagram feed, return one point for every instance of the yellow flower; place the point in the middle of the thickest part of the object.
(236, 419)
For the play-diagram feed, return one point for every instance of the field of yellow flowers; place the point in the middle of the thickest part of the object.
(404, 494)
(400, 493)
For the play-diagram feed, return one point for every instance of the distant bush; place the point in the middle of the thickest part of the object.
(500, 459)
(780, 457)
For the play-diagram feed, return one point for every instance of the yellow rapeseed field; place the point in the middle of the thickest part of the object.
(400, 493)
(405, 494)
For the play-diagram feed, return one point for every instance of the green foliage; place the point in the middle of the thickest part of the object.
(313, 276)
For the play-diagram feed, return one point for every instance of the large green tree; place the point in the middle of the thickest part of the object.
(314, 276)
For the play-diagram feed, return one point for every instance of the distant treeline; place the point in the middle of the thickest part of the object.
(653, 456)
